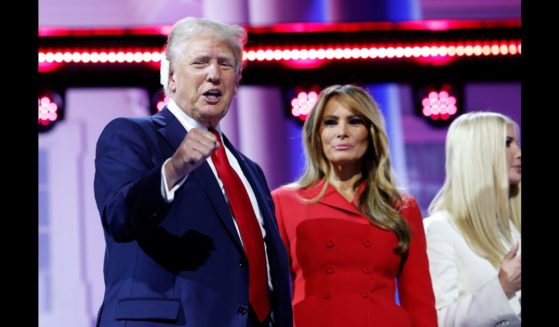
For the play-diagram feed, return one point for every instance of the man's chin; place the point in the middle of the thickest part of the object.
(211, 115)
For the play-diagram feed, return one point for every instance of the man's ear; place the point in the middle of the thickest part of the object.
(239, 78)
(172, 83)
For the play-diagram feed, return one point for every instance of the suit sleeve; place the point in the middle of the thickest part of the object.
(414, 282)
(127, 182)
(486, 307)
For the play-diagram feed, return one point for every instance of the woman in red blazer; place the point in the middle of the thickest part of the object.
(353, 239)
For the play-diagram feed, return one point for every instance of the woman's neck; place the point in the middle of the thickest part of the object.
(343, 180)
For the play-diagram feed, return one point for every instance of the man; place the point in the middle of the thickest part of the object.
(191, 238)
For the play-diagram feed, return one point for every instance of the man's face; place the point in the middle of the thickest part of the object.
(205, 79)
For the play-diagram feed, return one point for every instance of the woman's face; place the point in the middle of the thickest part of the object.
(513, 152)
(344, 135)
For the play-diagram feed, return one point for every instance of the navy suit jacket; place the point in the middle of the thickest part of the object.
(179, 263)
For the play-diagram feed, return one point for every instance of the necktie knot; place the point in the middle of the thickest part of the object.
(216, 134)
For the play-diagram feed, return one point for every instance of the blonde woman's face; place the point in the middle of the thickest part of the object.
(344, 135)
(513, 152)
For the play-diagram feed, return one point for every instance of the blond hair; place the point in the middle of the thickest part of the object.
(476, 190)
(380, 201)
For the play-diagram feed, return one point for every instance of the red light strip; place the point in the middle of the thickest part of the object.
(113, 56)
(431, 50)
(475, 48)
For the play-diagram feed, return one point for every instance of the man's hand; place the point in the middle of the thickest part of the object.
(196, 147)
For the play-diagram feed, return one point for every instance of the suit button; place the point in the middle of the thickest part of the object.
(365, 294)
(329, 269)
(367, 243)
(242, 310)
(366, 269)
(327, 295)
(242, 263)
(329, 244)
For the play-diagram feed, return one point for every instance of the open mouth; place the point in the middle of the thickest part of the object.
(212, 95)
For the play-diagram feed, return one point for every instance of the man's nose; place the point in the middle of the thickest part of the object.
(213, 73)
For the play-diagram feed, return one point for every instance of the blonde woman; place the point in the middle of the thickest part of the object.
(350, 234)
(473, 233)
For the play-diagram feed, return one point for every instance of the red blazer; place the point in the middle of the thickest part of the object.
(345, 270)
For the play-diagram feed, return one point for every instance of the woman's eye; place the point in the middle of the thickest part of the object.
(355, 121)
(330, 122)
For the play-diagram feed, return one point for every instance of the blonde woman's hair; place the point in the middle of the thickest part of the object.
(476, 190)
(380, 200)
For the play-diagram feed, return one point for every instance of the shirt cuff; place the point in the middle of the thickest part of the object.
(169, 195)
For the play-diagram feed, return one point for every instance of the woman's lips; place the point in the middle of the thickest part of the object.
(342, 146)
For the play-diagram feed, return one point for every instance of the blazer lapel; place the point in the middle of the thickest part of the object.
(204, 175)
(170, 128)
(333, 198)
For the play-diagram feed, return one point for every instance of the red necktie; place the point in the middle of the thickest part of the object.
(249, 228)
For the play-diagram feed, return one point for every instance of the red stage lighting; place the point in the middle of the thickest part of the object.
(302, 101)
(50, 110)
(439, 104)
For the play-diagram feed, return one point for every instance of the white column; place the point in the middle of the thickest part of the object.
(68, 292)
(264, 127)
(77, 240)
(267, 12)
(230, 11)
(263, 134)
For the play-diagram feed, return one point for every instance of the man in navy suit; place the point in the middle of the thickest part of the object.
(174, 252)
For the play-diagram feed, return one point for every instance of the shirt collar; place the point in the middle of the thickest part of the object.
(186, 121)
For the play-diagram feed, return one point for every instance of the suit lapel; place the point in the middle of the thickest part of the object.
(332, 198)
(170, 128)
(173, 132)
(204, 175)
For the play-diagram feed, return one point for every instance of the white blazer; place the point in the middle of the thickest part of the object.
(467, 290)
